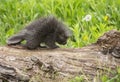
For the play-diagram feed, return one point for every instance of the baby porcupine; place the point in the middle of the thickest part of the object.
(46, 30)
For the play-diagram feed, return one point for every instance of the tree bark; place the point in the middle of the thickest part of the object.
(22, 65)
(53, 65)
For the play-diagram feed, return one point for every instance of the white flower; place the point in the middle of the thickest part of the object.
(87, 18)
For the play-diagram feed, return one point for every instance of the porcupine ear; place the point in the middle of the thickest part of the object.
(69, 33)
(62, 28)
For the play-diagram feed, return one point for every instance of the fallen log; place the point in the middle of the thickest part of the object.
(57, 65)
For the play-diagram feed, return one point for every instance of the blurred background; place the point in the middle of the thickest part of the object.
(88, 19)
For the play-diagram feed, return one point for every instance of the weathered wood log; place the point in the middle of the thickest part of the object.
(44, 65)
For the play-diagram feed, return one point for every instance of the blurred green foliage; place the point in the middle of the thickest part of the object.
(15, 14)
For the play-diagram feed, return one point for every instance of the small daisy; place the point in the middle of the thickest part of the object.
(87, 18)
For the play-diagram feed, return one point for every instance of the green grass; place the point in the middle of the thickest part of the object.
(15, 14)
(101, 77)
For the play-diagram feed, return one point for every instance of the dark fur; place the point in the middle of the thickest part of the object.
(46, 30)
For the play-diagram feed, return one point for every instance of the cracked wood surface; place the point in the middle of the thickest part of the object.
(26, 65)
